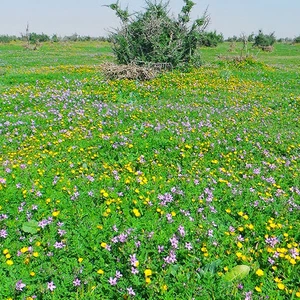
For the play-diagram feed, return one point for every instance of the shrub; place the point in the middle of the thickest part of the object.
(155, 37)
(7, 38)
(211, 39)
(297, 39)
(36, 38)
(262, 40)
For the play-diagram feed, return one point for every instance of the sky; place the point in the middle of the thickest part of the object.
(92, 18)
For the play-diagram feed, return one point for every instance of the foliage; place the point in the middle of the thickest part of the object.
(118, 189)
(8, 38)
(264, 40)
(240, 38)
(297, 39)
(154, 36)
(210, 39)
(38, 38)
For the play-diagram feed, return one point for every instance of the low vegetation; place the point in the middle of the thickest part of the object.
(184, 186)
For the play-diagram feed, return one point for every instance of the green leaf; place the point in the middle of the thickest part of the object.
(30, 227)
(238, 272)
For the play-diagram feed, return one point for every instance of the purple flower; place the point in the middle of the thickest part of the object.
(134, 271)
(174, 241)
(76, 282)
(118, 274)
(248, 295)
(59, 245)
(61, 232)
(113, 281)
(181, 230)
(51, 286)
(130, 291)
(3, 233)
(160, 248)
(171, 258)
(188, 246)
(20, 285)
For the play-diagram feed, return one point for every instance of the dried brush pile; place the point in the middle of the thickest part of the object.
(131, 71)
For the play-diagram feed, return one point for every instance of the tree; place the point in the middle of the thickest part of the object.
(153, 36)
(264, 40)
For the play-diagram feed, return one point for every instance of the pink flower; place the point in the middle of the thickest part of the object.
(51, 286)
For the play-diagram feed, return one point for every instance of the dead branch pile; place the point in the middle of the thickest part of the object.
(132, 71)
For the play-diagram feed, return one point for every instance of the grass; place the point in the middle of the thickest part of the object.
(182, 187)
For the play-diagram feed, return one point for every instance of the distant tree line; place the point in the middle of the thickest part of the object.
(42, 37)
(208, 39)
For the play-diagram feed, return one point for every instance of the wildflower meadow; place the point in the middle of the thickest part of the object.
(186, 186)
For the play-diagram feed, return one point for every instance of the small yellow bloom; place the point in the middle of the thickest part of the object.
(55, 213)
(281, 286)
(259, 272)
(9, 262)
(136, 263)
(80, 259)
(164, 287)
(136, 212)
(148, 272)
(100, 271)
(103, 245)
(24, 249)
(298, 294)
(258, 289)
(292, 261)
(148, 280)
(5, 251)
(32, 273)
(35, 254)
(8, 256)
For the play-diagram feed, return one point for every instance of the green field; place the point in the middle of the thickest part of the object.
(160, 189)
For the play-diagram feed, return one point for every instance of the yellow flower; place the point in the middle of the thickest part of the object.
(298, 294)
(100, 271)
(258, 289)
(281, 286)
(103, 245)
(136, 212)
(164, 287)
(147, 272)
(80, 259)
(35, 254)
(55, 213)
(24, 249)
(148, 280)
(32, 273)
(9, 262)
(292, 261)
(259, 272)
(5, 251)
(240, 245)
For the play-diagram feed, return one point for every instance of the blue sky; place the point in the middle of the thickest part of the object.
(90, 17)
